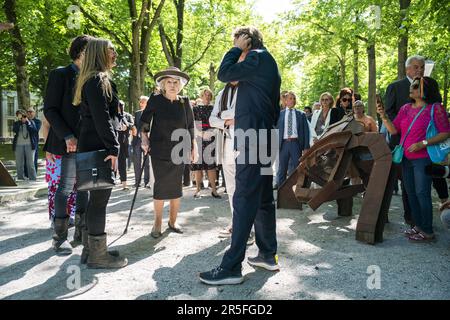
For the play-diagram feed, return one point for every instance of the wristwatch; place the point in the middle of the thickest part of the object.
(425, 142)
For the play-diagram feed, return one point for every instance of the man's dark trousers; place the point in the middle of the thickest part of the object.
(290, 154)
(253, 203)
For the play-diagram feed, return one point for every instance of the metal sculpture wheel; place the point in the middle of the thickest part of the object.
(344, 162)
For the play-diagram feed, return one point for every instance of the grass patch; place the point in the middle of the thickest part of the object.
(7, 153)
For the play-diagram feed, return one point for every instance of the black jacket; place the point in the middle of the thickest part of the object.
(98, 116)
(165, 117)
(32, 131)
(397, 95)
(62, 116)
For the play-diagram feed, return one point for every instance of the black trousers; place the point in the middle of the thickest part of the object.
(122, 159)
(96, 211)
(137, 162)
(187, 175)
(253, 203)
(441, 187)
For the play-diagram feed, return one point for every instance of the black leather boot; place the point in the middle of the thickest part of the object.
(60, 244)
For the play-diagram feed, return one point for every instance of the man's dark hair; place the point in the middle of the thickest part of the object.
(253, 33)
(307, 108)
(78, 45)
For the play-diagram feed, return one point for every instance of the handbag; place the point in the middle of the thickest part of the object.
(93, 173)
(398, 152)
(437, 152)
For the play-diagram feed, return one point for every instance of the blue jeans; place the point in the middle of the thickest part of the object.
(418, 188)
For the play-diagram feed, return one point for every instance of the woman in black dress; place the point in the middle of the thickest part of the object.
(205, 139)
(170, 121)
(96, 95)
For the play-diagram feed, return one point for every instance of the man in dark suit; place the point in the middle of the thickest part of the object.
(397, 95)
(136, 145)
(64, 119)
(257, 111)
(293, 138)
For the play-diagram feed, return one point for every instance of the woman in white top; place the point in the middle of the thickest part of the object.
(323, 118)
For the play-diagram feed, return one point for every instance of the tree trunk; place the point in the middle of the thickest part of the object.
(403, 40)
(174, 52)
(342, 68)
(372, 79)
(180, 28)
(356, 68)
(141, 26)
(446, 84)
(19, 53)
(212, 77)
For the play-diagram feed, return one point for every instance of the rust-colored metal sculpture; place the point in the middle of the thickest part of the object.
(343, 153)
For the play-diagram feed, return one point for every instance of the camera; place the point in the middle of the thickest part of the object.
(437, 171)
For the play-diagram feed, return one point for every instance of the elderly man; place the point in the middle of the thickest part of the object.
(257, 111)
(397, 95)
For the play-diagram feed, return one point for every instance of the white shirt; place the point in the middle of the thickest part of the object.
(294, 124)
(219, 122)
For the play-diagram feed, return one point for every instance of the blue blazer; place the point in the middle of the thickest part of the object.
(302, 129)
(257, 103)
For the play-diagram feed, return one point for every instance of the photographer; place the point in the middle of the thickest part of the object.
(24, 143)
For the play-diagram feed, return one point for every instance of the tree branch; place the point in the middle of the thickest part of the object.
(166, 50)
(205, 50)
(105, 29)
(331, 33)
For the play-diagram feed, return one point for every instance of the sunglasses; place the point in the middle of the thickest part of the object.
(346, 100)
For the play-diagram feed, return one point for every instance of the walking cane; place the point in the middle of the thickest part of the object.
(135, 194)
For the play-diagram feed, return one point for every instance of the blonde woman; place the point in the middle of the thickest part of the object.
(166, 113)
(96, 95)
(326, 116)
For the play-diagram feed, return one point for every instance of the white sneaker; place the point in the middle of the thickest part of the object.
(225, 233)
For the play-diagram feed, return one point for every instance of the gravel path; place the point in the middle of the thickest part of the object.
(318, 253)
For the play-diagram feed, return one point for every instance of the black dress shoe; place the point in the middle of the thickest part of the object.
(175, 229)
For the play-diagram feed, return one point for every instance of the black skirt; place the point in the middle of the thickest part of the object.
(168, 179)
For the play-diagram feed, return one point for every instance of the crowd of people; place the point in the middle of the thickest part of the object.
(83, 113)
